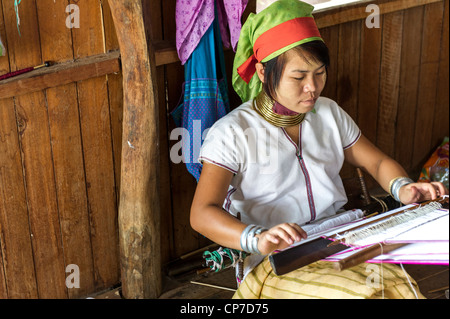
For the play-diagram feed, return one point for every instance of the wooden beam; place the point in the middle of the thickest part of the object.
(139, 216)
(60, 74)
(166, 52)
(357, 11)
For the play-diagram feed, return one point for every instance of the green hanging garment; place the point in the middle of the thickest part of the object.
(2, 48)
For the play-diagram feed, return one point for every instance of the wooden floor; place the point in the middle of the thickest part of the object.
(190, 287)
(433, 282)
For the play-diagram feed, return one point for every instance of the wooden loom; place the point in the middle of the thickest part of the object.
(354, 242)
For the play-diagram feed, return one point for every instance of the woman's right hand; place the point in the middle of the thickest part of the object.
(280, 237)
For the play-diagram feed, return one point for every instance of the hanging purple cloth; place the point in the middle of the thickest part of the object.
(194, 17)
(205, 96)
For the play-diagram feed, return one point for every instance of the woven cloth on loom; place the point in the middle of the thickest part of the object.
(320, 280)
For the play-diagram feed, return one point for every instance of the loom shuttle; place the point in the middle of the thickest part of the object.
(298, 256)
(371, 215)
(335, 242)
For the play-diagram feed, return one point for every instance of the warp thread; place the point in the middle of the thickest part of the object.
(330, 222)
(353, 237)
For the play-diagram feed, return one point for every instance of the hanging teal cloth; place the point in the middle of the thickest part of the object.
(2, 48)
(16, 9)
(205, 95)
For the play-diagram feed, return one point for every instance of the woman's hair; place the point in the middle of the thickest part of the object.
(273, 69)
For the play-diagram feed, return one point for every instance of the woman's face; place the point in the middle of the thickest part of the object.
(301, 83)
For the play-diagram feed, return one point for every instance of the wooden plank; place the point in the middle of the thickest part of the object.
(429, 70)
(139, 215)
(348, 75)
(348, 66)
(99, 170)
(3, 291)
(183, 184)
(51, 17)
(154, 14)
(60, 74)
(109, 294)
(21, 48)
(183, 288)
(40, 189)
(98, 155)
(369, 75)
(166, 230)
(389, 85)
(33, 128)
(70, 184)
(166, 53)
(11, 196)
(17, 278)
(89, 38)
(4, 62)
(331, 37)
(358, 11)
(441, 114)
(430, 278)
(111, 42)
(159, 12)
(115, 95)
(408, 86)
(66, 149)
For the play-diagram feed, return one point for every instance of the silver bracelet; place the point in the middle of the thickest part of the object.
(244, 236)
(249, 241)
(397, 184)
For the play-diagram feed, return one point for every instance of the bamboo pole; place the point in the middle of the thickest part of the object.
(139, 215)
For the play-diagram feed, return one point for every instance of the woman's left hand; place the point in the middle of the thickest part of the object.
(419, 192)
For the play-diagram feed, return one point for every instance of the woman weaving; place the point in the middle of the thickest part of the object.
(275, 161)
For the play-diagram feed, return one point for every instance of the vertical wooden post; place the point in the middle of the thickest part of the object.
(139, 216)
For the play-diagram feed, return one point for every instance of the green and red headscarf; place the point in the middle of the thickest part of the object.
(276, 29)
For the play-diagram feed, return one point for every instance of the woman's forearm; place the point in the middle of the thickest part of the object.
(380, 166)
(387, 170)
(207, 216)
(217, 225)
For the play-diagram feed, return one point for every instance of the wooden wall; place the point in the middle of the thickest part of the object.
(392, 80)
(58, 154)
(60, 146)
